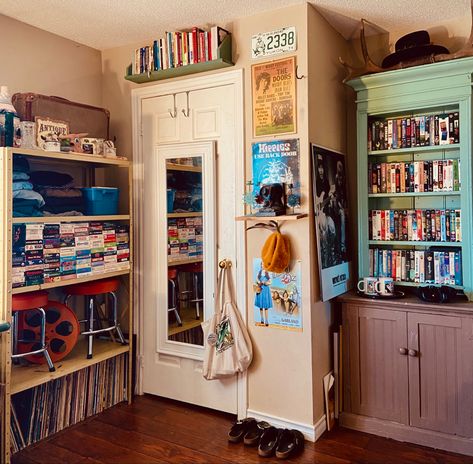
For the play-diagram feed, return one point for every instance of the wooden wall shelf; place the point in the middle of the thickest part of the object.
(56, 219)
(286, 217)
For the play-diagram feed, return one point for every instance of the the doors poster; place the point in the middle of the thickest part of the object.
(274, 97)
(277, 161)
(277, 297)
(330, 200)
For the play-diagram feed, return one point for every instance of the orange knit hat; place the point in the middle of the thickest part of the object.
(276, 253)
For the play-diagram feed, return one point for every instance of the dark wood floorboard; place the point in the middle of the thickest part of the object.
(155, 430)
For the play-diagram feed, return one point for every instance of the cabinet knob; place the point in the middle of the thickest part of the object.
(412, 353)
(403, 351)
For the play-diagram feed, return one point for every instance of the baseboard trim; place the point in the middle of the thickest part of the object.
(401, 432)
(312, 432)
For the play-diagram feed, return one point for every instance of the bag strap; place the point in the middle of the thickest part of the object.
(224, 291)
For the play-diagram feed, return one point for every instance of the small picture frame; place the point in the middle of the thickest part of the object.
(48, 129)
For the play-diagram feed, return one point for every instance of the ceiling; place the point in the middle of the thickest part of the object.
(104, 24)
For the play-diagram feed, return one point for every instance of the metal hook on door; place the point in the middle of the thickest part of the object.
(173, 113)
(297, 73)
(187, 112)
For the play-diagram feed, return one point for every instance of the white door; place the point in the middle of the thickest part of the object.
(193, 176)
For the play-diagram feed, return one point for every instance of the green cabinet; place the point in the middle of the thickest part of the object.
(412, 94)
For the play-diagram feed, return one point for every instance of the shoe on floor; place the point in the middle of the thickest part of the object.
(268, 442)
(239, 429)
(253, 436)
(290, 443)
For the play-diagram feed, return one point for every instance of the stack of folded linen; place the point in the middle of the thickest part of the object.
(26, 202)
(60, 197)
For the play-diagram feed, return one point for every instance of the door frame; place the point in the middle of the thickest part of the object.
(232, 77)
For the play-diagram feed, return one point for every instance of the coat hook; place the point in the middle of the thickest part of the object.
(297, 75)
(187, 112)
(173, 113)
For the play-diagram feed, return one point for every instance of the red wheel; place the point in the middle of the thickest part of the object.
(62, 332)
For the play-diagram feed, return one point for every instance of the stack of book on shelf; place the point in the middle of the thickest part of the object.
(177, 49)
(427, 266)
(415, 176)
(41, 411)
(418, 131)
(185, 239)
(45, 253)
(427, 225)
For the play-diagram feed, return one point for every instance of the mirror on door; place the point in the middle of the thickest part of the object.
(185, 244)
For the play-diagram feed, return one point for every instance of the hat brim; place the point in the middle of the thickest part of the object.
(409, 54)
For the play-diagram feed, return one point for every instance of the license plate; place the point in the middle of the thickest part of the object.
(274, 42)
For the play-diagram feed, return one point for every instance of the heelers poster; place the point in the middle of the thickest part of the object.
(274, 97)
(277, 300)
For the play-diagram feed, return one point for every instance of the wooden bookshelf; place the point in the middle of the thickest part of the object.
(184, 215)
(32, 375)
(414, 243)
(185, 261)
(65, 283)
(76, 157)
(407, 151)
(183, 167)
(56, 219)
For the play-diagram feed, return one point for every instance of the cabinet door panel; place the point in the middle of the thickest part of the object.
(440, 373)
(379, 371)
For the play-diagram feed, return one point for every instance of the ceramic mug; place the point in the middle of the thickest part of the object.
(385, 286)
(368, 285)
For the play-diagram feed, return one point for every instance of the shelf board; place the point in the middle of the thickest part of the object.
(417, 284)
(404, 151)
(286, 217)
(185, 261)
(183, 167)
(59, 156)
(414, 243)
(32, 375)
(64, 283)
(180, 71)
(414, 194)
(55, 219)
(184, 215)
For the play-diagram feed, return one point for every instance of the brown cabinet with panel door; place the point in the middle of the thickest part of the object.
(408, 371)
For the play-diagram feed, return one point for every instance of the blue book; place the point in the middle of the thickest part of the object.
(443, 227)
(156, 60)
(458, 269)
(391, 224)
(170, 49)
(411, 177)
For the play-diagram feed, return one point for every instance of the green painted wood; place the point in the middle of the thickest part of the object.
(406, 151)
(224, 60)
(438, 87)
(414, 243)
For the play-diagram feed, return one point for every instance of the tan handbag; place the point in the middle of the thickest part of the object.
(256, 288)
(228, 348)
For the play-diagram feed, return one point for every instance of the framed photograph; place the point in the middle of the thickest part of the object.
(331, 217)
(274, 97)
(47, 128)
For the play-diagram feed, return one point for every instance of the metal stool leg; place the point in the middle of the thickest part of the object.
(43, 340)
(174, 303)
(115, 319)
(196, 296)
(91, 327)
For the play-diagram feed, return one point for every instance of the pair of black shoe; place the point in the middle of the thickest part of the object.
(284, 443)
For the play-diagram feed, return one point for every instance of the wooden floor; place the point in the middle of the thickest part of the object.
(153, 430)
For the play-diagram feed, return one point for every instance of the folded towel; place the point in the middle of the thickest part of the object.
(50, 178)
(26, 207)
(18, 175)
(30, 195)
(22, 185)
(61, 192)
(20, 164)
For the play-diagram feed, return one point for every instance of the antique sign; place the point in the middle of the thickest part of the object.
(49, 130)
(274, 97)
(274, 42)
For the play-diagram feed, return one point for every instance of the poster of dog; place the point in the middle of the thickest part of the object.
(277, 298)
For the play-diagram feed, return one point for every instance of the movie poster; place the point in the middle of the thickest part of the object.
(331, 217)
(277, 162)
(274, 97)
(277, 300)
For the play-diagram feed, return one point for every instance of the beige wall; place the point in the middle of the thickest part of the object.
(37, 61)
(285, 379)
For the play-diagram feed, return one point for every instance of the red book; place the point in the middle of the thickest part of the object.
(419, 224)
(201, 46)
(383, 225)
(209, 41)
(195, 44)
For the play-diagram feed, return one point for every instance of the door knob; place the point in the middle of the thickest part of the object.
(412, 353)
(403, 351)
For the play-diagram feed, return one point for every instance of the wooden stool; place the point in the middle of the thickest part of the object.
(172, 303)
(90, 290)
(29, 302)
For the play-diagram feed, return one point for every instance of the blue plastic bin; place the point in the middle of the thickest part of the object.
(100, 201)
(171, 194)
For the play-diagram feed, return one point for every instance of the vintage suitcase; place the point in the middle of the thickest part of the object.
(81, 118)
